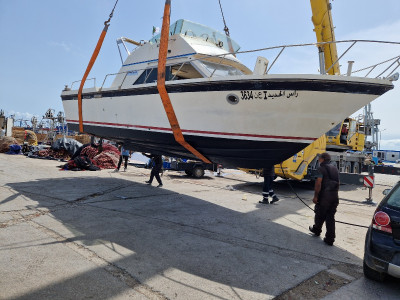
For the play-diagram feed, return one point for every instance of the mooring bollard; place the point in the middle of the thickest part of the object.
(369, 182)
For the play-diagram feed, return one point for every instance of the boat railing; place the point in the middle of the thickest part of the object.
(389, 65)
(115, 74)
(393, 63)
(394, 60)
(76, 81)
(126, 73)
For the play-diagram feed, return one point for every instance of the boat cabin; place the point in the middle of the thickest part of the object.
(195, 51)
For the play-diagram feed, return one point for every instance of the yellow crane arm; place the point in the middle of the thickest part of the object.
(324, 30)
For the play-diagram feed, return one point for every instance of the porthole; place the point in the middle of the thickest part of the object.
(232, 99)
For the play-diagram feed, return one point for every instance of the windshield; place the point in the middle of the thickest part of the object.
(220, 70)
(334, 131)
(208, 34)
(394, 199)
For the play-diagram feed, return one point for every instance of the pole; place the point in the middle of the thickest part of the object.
(369, 200)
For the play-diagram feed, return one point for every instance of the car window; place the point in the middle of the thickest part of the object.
(394, 199)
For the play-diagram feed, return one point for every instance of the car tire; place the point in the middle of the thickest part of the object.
(198, 172)
(356, 168)
(347, 167)
(372, 274)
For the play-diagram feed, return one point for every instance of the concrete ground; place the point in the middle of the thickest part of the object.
(104, 235)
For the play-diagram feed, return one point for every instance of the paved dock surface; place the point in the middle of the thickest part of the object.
(104, 235)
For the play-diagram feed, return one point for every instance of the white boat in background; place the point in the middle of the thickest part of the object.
(228, 113)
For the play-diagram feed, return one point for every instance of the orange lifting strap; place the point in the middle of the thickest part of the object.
(90, 65)
(162, 60)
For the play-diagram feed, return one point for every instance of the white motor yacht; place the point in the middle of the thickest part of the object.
(228, 113)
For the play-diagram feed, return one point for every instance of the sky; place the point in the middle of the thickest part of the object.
(47, 44)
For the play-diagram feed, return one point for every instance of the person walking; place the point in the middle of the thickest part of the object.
(123, 157)
(326, 198)
(157, 162)
(269, 176)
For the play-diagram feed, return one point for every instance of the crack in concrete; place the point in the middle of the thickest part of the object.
(101, 262)
(147, 291)
(232, 240)
(323, 283)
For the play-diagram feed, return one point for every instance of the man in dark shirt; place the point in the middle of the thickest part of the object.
(326, 198)
(157, 166)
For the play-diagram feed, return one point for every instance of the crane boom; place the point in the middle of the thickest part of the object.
(324, 30)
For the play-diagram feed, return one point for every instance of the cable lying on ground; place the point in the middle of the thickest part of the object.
(341, 222)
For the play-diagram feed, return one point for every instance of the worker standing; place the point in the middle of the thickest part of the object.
(269, 176)
(344, 133)
(326, 198)
(124, 156)
(157, 162)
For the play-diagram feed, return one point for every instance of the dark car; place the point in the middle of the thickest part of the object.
(382, 243)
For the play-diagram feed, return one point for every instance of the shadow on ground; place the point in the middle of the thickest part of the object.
(179, 239)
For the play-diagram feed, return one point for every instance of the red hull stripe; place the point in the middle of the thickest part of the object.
(196, 131)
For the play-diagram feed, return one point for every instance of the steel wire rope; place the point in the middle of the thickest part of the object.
(291, 187)
(226, 29)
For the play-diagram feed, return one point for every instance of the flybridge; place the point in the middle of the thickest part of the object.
(189, 28)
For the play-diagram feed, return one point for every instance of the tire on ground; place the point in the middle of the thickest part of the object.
(347, 167)
(198, 172)
(372, 274)
(356, 168)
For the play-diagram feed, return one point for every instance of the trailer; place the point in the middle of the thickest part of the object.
(386, 155)
(192, 168)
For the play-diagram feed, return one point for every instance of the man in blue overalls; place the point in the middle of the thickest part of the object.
(124, 156)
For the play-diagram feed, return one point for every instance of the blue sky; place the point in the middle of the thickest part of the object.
(46, 44)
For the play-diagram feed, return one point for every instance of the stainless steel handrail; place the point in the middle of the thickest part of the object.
(94, 79)
(347, 50)
(276, 58)
(389, 68)
(282, 48)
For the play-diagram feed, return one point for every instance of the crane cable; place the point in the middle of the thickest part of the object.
(162, 90)
(294, 192)
(226, 29)
(90, 65)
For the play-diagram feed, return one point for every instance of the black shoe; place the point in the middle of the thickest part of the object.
(329, 243)
(264, 201)
(148, 182)
(160, 185)
(274, 199)
(311, 228)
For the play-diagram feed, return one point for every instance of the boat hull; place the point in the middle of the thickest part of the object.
(225, 151)
(246, 121)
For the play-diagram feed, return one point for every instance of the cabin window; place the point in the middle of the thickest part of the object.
(148, 76)
(185, 71)
(174, 72)
(220, 70)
